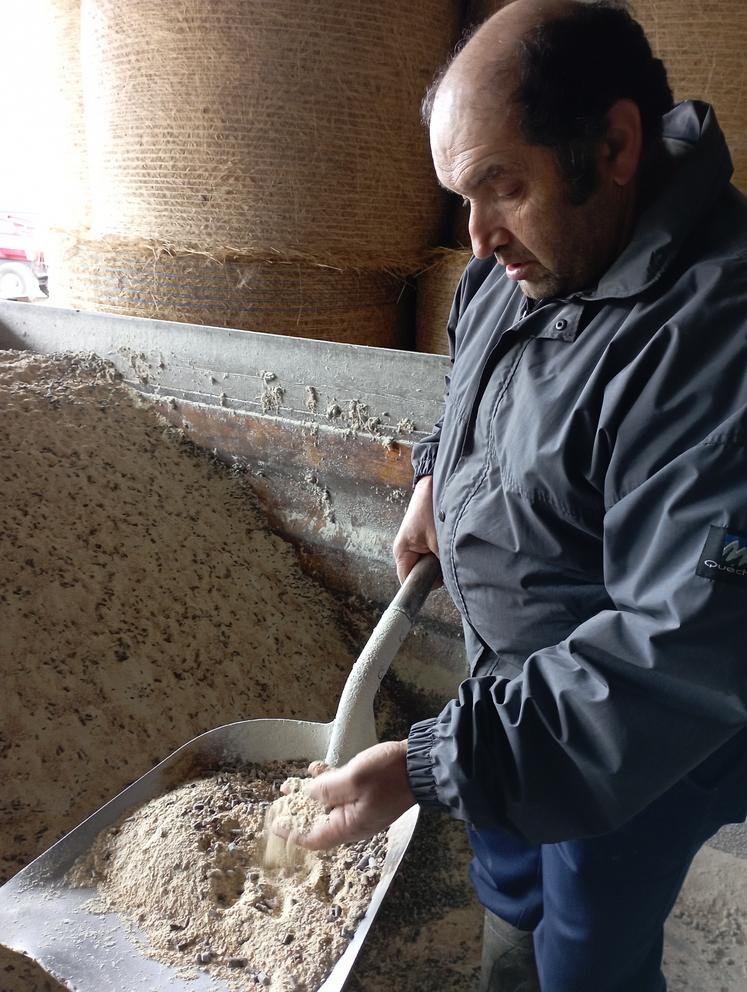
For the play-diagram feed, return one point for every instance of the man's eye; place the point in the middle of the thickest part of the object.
(510, 194)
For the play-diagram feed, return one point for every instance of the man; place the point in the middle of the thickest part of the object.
(589, 486)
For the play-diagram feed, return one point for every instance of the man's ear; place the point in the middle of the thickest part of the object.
(620, 156)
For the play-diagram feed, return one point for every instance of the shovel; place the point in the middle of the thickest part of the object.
(43, 917)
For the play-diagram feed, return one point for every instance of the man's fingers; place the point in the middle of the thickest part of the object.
(337, 828)
(405, 564)
(315, 768)
(409, 559)
(330, 788)
(328, 832)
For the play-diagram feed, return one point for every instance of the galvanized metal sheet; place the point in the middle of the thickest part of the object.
(231, 369)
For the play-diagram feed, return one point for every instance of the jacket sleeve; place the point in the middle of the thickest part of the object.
(424, 452)
(599, 725)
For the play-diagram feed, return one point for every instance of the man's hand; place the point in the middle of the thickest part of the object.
(364, 796)
(417, 532)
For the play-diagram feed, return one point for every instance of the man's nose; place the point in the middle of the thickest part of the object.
(487, 231)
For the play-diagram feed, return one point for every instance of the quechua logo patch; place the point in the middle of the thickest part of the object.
(724, 557)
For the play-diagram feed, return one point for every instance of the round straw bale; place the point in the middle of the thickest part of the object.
(276, 296)
(67, 191)
(289, 127)
(459, 225)
(436, 286)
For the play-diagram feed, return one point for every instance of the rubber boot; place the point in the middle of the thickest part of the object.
(507, 958)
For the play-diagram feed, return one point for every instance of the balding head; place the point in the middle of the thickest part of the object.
(493, 49)
(492, 54)
(557, 66)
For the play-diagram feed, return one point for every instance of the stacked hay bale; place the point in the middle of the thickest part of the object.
(436, 287)
(438, 280)
(226, 138)
(148, 279)
(67, 192)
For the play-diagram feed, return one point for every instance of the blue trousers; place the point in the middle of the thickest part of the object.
(597, 906)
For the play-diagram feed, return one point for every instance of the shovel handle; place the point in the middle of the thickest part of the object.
(353, 728)
(414, 590)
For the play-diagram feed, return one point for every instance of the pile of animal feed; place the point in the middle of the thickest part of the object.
(143, 601)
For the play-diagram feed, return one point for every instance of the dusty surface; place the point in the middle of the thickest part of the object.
(706, 935)
(189, 869)
(427, 934)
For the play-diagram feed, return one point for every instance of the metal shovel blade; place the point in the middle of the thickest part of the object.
(42, 916)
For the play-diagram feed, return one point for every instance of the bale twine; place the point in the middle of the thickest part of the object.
(289, 127)
(703, 46)
(67, 189)
(435, 294)
(277, 297)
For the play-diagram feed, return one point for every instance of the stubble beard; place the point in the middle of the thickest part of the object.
(550, 285)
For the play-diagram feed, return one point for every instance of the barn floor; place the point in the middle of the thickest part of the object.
(429, 932)
(706, 935)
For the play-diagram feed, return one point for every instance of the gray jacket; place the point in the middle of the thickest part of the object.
(590, 489)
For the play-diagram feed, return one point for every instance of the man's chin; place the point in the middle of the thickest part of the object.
(533, 290)
(529, 290)
(534, 280)
(540, 289)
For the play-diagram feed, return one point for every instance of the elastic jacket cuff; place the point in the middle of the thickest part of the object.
(419, 763)
(424, 463)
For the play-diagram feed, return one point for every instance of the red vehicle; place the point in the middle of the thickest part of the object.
(23, 272)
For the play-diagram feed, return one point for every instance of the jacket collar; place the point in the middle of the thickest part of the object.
(554, 318)
(694, 139)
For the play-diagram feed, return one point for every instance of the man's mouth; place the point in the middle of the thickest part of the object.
(516, 271)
